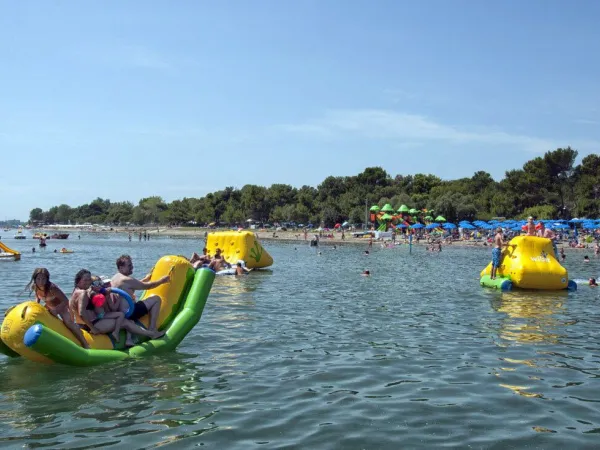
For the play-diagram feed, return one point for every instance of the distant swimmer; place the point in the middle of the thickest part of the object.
(366, 273)
(586, 258)
(366, 252)
(593, 283)
(241, 270)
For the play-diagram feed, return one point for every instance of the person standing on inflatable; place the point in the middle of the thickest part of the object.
(549, 234)
(497, 252)
(530, 227)
(123, 280)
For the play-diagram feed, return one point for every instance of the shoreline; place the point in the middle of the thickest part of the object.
(263, 235)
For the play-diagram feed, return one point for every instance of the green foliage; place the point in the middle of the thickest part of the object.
(541, 212)
(546, 186)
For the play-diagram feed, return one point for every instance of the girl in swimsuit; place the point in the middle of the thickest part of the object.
(55, 300)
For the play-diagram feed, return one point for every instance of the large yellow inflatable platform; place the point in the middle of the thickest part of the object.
(528, 262)
(239, 245)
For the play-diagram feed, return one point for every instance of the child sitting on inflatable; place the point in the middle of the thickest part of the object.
(100, 305)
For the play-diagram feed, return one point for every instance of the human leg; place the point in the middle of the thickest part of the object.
(136, 329)
(152, 304)
(70, 324)
(119, 318)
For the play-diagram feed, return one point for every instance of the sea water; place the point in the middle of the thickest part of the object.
(310, 354)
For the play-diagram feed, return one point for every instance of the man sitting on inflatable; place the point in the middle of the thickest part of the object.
(123, 280)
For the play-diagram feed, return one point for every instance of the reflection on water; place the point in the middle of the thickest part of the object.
(140, 398)
(531, 316)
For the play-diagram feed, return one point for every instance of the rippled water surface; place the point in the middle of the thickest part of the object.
(312, 355)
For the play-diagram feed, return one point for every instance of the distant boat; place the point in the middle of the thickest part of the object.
(60, 236)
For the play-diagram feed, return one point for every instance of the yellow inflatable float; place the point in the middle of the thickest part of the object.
(239, 245)
(29, 330)
(528, 262)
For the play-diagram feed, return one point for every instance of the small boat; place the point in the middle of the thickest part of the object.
(60, 236)
(39, 235)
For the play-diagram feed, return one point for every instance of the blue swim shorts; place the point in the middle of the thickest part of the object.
(496, 253)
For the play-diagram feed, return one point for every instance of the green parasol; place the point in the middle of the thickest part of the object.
(403, 208)
(413, 211)
(440, 219)
(428, 218)
(374, 208)
(387, 208)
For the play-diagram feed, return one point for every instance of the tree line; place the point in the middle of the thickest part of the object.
(548, 186)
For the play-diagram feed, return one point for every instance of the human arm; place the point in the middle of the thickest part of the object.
(133, 284)
(82, 300)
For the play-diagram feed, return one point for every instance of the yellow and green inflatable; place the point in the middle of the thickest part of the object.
(239, 245)
(29, 330)
(528, 262)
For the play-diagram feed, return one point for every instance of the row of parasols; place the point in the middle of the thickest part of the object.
(404, 210)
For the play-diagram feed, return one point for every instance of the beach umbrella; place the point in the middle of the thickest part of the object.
(449, 226)
(400, 225)
(387, 208)
(467, 226)
(403, 208)
(345, 224)
(417, 225)
(440, 219)
(431, 226)
(428, 218)
(413, 211)
(374, 208)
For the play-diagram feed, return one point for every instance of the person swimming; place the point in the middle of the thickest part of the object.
(366, 273)
(586, 259)
(592, 282)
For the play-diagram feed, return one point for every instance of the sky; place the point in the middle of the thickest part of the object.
(125, 100)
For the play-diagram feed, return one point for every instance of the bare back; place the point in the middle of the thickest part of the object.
(79, 307)
(498, 241)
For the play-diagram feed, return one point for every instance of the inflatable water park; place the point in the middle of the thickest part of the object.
(31, 332)
(238, 246)
(528, 262)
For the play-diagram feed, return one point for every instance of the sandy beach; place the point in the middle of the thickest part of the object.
(328, 238)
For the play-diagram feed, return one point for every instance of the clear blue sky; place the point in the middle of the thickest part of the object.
(127, 99)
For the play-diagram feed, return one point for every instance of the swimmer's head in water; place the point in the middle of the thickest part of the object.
(366, 272)
(592, 282)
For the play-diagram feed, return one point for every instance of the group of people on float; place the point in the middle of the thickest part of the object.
(216, 263)
(101, 313)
